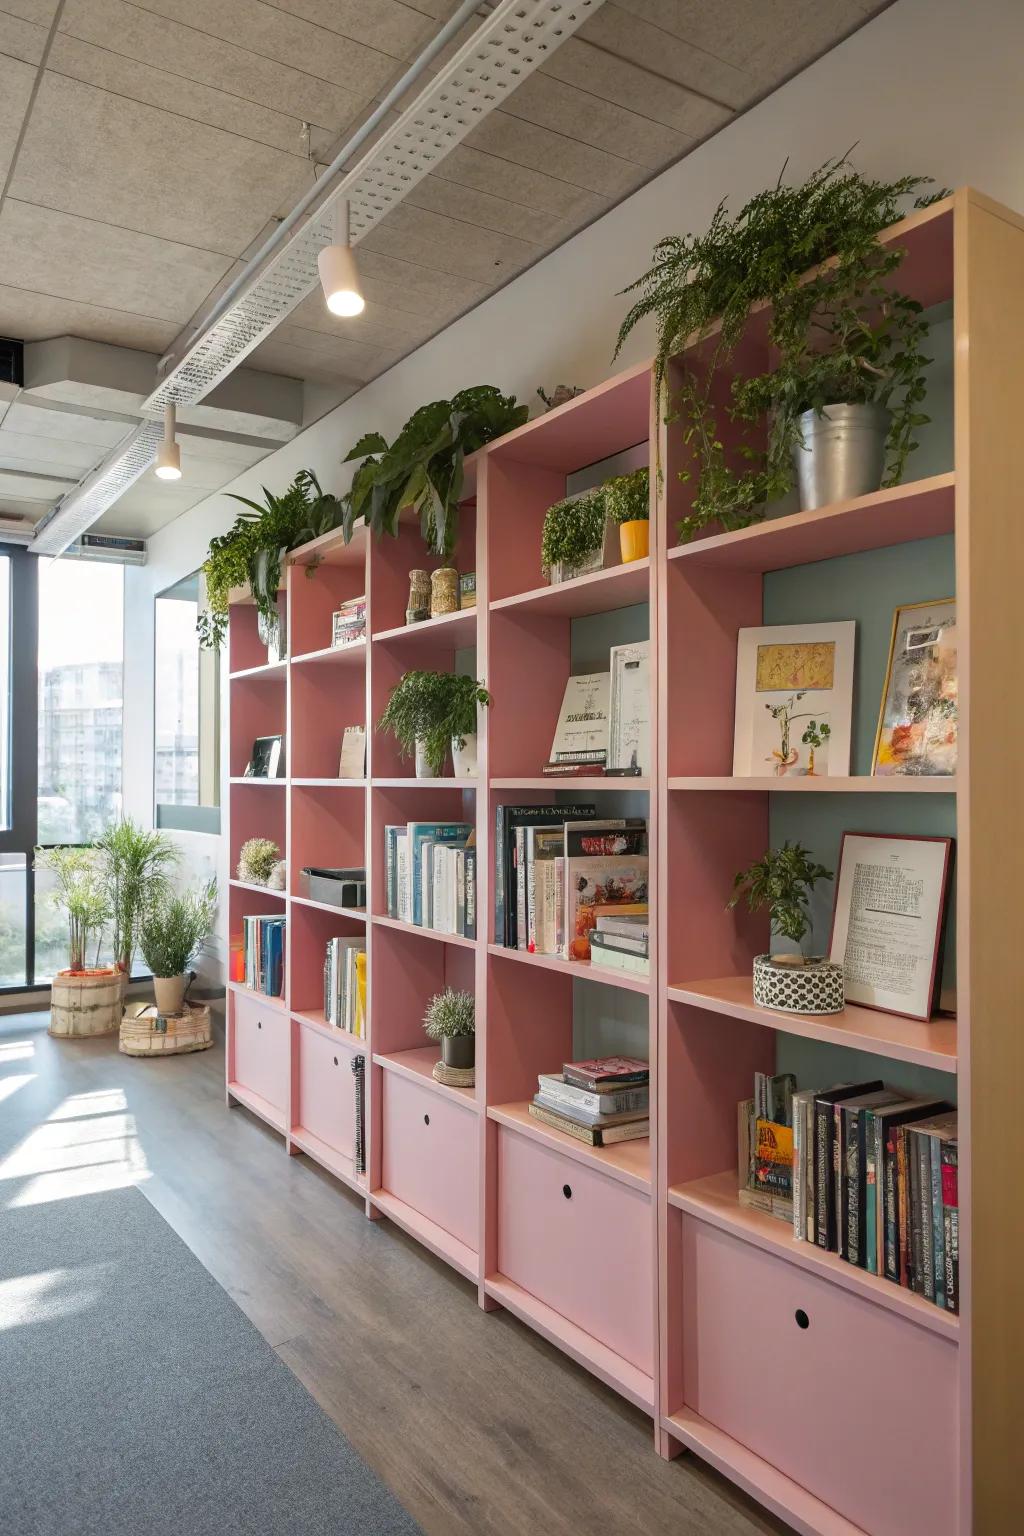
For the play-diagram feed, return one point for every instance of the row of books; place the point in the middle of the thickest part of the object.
(345, 985)
(430, 875)
(862, 1171)
(557, 869)
(263, 952)
(600, 1101)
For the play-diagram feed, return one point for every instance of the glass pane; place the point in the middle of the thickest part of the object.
(176, 696)
(12, 919)
(52, 933)
(5, 692)
(81, 673)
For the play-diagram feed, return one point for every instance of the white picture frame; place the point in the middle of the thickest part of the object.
(581, 735)
(629, 731)
(352, 763)
(802, 726)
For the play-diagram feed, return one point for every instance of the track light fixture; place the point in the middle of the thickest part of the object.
(168, 455)
(339, 276)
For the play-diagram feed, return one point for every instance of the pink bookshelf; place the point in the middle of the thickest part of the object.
(689, 1310)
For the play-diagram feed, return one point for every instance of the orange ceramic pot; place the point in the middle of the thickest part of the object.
(634, 540)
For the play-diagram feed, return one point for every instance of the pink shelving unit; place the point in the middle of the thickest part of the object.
(638, 1261)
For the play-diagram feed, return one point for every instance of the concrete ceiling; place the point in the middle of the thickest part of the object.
(147, 147)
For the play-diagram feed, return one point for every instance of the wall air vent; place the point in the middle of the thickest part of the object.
(12, 359)
(110, 546)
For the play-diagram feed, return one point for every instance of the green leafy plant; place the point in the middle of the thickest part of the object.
(81, 892)
(782, 881)
(434, 708)
(628, 497)
(174, 929)
(424, 467)
(256, 860)
(450, 1013)
(250, 553)
(573, 530)
(136, 865)
(842, 334)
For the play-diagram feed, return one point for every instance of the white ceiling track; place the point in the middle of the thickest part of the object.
(514, 40)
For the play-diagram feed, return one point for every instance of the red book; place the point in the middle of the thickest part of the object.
(604, 1073)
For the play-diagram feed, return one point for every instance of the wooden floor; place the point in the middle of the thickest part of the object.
(479, 1427)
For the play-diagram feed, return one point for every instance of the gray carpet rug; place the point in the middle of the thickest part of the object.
(137, 1400)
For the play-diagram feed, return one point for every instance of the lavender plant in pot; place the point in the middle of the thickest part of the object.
(782, 881)
(451, 1019)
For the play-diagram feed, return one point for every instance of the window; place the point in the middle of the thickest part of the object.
(186, 715)
(5, 692)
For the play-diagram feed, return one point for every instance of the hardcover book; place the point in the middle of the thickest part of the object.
(606, 1074)
(592, 1136)
(581, 735)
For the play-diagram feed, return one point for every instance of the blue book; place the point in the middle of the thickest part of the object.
(391, 868)
(420, 832)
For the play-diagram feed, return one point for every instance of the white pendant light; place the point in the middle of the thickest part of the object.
(168, 455)
(339, 275)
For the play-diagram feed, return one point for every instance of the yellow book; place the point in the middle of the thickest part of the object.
(360, 1020)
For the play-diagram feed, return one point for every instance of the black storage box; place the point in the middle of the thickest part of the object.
(336, 887)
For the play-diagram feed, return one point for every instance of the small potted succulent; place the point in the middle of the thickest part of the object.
(576, 538)
(782, 881)
(428, 712)
(257, 860)
(451, 1018)
(173, 932)
(627, 499)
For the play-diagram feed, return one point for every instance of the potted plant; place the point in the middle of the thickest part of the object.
(576, 537)
(627, 499)
(428, 712)
(423, 467)
(250, 554)
(451, 1018)
(782, 882)
(171, 935)
(257, 858)
(84, 999)
(136, 866)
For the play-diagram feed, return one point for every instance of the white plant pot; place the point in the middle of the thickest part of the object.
(170, 993)
(815, 987)
(464, 757)
(423, 769)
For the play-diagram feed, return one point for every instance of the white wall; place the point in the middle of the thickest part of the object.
(930, 86)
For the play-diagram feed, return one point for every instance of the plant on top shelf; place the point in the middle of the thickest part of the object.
(451, 1019)
(172, 934)
(782, 881)
(251, 552)
(81, 892)
(842, 334)
(572, 538)
(424, 467)
(137, 866)
(256, 860)
(428, 712)
(627, 500)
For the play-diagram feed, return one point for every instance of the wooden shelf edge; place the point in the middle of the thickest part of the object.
(330, 654)
(579, 969)
(853, 784)
(430, 933)
(517, 1118)
(412, 782)
(602, 1362)
(256, 890)
(571, 597)
(335, 1162)
(714, 1200)
(356, 914)
(462, 618)
(260, 1106)
(391, 1061)
(317, 1023)
(267, 669)
(252, 779)
(588, 782)
(277, 1004)
(441, 1243)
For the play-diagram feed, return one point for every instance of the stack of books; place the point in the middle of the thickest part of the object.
(345, 985)
(863, 1171)
(599, 1102)
(622, 942)
(430, 875)
(263, 951)
(349, 622)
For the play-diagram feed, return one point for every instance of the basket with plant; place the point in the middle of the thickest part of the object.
(574, 536)
(172, 934)
(782, 882)
(451, 1019)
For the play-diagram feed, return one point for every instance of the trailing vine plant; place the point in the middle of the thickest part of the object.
(841, 333)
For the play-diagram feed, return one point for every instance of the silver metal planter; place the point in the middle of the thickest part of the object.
(842, 454)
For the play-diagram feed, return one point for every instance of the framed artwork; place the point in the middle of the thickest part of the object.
(352, 764)
(917, 723)
(629, 729)
(794, 700)
(267, 760)
(887, 919)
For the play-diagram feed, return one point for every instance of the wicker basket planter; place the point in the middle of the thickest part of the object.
(149, 1033)
(84, 1004)
(816, 987)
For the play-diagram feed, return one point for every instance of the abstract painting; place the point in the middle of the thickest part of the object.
(917, 727)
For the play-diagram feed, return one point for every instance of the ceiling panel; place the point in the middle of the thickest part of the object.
(36, 316)
(35, 418)
(15, 90)
(21, 39)
(43, 455)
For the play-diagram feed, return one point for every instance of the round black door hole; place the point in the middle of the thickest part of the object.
(335, 1061)
(802, 1320)
(426, 1119)
(567, 1191)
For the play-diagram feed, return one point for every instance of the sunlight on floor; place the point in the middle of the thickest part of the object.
(81, 1149)
(103, 1101)
(10, 1085)
(16, 1050)
(51, 1294)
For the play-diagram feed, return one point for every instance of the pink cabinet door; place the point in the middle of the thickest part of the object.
(261, 1050)
(327, 1094)
(578, 1241)
(853, 1402)
(430, 1156)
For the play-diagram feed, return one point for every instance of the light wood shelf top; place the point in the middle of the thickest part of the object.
(716, 1200)
(932, 1044)
(820, 784)
(627, 1161)
(418, 1065)
(580, 970)
(427, 933)
(456, 630)
(620, 586)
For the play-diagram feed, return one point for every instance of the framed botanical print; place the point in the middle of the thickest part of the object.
(794, 700)
(917, 724)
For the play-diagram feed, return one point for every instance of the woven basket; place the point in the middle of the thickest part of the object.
(154, 1034)
(84, 1004)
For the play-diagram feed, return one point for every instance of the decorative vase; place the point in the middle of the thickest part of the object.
(458, 1051)
(86, 1003)
(444, 592)
(842, 454)
(634, 540)
(418, 607)
(464, 757)
(170, 993)
(423, 766)
(814, 987)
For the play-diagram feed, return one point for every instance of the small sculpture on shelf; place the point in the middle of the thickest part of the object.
(444, 591)
(782, 881)
(418, 607)
(451, 1019)
(559, 395)
(257, 860)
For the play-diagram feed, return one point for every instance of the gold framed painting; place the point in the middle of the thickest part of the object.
(917, 722)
